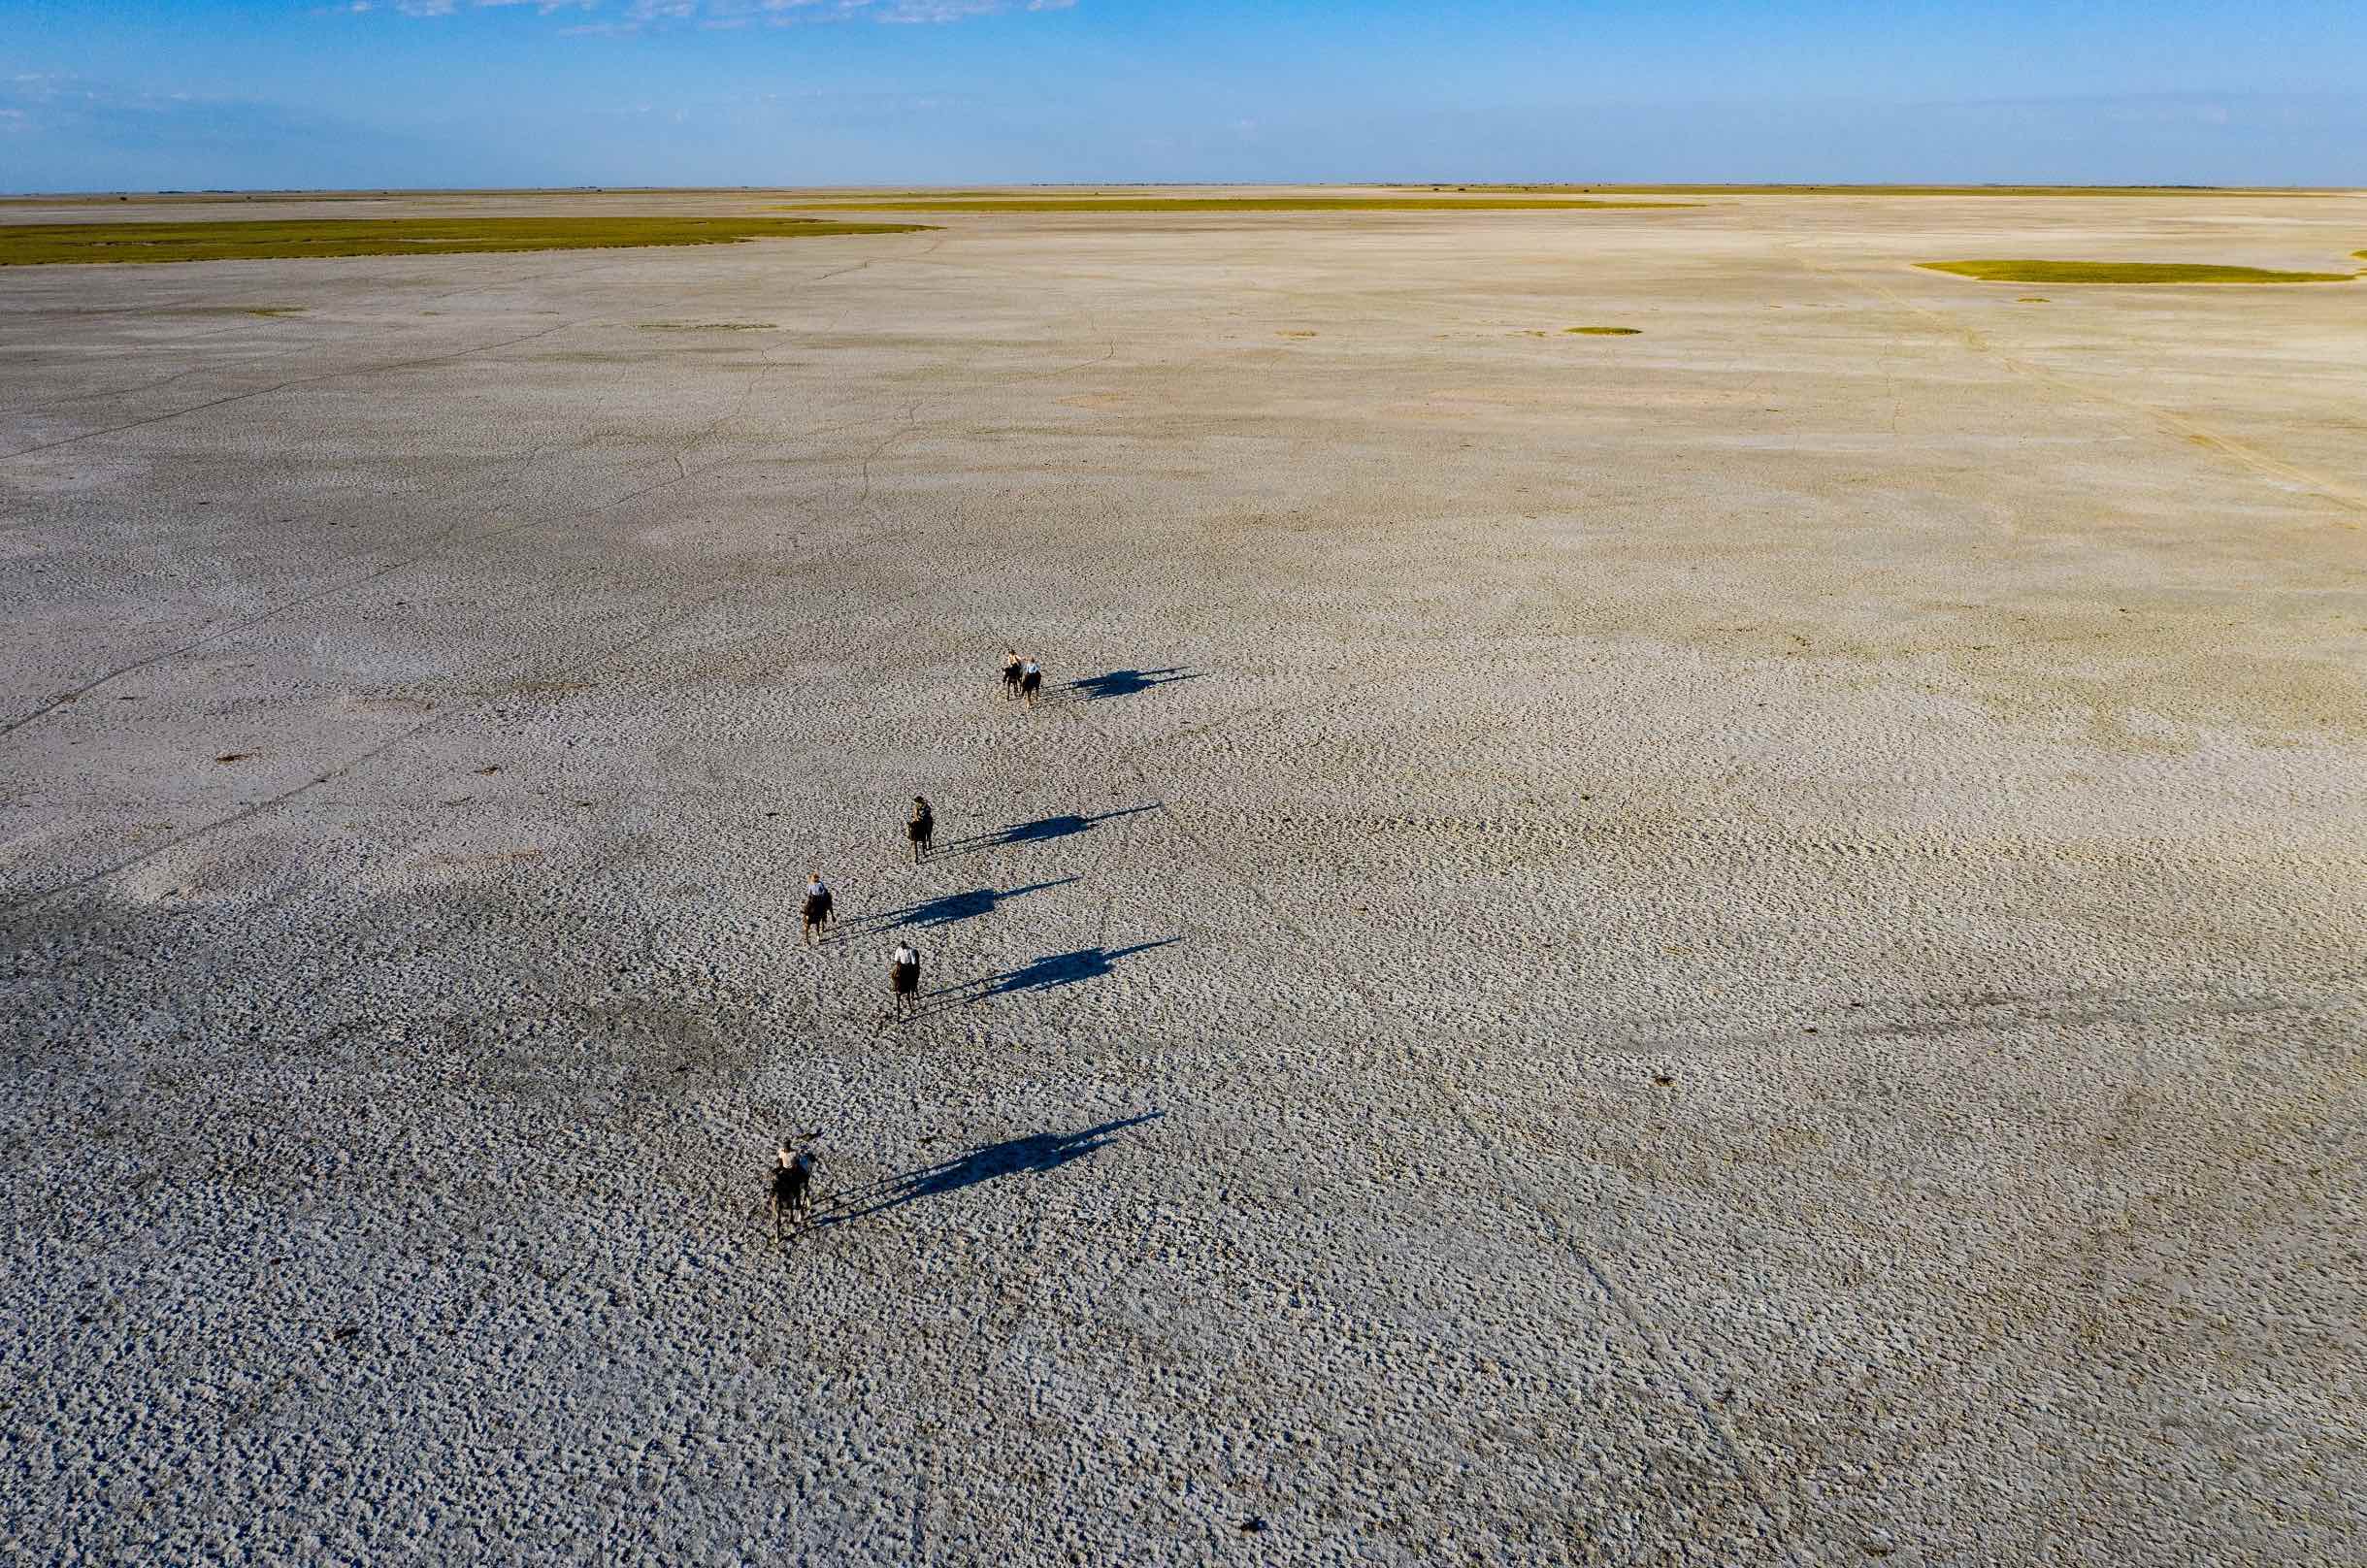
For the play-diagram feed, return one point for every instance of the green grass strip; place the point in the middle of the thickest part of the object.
(33, 245)
(2121, 271)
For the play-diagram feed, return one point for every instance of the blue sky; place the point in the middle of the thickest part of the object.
(146, 94)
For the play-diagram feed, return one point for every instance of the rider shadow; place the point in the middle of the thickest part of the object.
(1038, 1154)
(1118, 683)
(1065, 968)
(1047, 973)
(1041, 831)
(950, 909)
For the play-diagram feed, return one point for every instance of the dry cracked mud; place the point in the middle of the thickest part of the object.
(1742, 946)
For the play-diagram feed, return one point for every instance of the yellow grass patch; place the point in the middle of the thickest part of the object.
(30, 244)
(2121, 271)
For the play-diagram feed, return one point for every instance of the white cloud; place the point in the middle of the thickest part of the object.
(635, 16)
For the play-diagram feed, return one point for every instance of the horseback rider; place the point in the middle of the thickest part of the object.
(792, 1185)
(816, 905)
(920, 826)
(904, 978)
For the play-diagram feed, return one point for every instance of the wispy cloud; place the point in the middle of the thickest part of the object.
(445, 8)
(624, 16)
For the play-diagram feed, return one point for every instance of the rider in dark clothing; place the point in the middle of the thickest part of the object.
(817, 905)
(904, 977)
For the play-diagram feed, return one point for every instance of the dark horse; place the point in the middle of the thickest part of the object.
(817, 908)
(903, 979)
(920, 828)
(792, 1188)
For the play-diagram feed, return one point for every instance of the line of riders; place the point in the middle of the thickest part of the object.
(1022, 679)
(793, 1170)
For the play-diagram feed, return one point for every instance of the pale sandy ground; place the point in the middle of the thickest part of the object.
(1735, 945)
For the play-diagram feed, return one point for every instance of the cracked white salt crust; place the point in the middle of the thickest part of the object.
(1735, 945)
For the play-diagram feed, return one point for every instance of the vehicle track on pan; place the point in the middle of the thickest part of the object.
(2326, 486)
(272, 803)
(459, 536)
(1660, 1346)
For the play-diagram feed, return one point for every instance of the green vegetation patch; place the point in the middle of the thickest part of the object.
(1605, 332)
(1220, 204)
(32, 245)
(2121, 271)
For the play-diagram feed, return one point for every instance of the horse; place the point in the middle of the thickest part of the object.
(1010, 674)
(920, 828)
(904, 978)
(817, 908)
(1031, 681)
(792, 1189)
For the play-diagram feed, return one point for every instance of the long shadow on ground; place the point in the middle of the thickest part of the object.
(1034, 1155)
(1118, 683)
(947, 909)
(1042, 829)
(1039, 974)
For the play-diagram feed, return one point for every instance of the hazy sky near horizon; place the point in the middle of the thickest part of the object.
(147, 94)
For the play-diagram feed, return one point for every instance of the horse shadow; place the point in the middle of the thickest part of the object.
(1048, 973)
(1064, 969)
(1042, 829)
(1119, 683)
(1038, 1154)
(947, 909)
